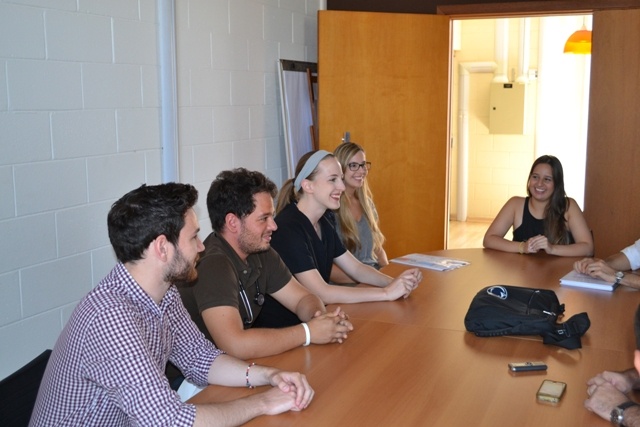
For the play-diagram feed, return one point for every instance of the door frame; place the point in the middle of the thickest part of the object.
(532, 8)
(599, 197)
(524, 9)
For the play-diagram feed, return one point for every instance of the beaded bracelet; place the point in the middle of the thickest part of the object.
(247, 375)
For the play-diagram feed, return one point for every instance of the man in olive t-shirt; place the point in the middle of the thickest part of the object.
(238, 269)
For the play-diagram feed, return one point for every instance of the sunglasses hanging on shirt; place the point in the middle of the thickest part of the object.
(259, 299)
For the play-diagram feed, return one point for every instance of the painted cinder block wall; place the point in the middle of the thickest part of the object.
(80, 126)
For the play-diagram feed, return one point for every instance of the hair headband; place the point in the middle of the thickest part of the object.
(309, 167)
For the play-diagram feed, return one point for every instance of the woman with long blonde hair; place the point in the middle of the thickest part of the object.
(357, 218)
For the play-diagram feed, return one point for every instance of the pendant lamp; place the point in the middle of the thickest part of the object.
(579, 42)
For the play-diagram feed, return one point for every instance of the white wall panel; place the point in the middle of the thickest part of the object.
(10, 300)
(41, 284)
(39, 189)
(83, 133)
(24, 137)
(78, 37)
(21, 32)
(44, 85)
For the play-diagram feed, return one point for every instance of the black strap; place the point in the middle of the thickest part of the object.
(626, 405)
(567, 334)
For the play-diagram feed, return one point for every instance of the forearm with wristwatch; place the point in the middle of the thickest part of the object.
(627, 279)
(626, 414)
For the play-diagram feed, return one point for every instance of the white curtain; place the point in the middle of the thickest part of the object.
(296, 109)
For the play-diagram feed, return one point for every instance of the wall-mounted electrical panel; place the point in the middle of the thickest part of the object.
(508, 112)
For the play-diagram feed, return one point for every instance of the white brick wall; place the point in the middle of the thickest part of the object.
(80, 126)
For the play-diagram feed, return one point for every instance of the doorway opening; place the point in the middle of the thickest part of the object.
(490, 158)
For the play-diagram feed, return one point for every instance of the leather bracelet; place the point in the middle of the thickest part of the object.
(307, 334)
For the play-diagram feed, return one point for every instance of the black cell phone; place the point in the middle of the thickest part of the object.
(527, 366)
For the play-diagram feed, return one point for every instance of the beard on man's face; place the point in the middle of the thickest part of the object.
(181, 270)
(251, 243)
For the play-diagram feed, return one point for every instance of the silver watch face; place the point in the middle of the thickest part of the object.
(617, 416)
(619, 275)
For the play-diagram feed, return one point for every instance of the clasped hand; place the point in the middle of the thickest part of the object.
(405, 283)
(294, 394)
(536, 244)
(595, 267)
(606, 391)
(330, 327)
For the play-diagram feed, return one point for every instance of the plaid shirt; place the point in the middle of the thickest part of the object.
(107, 367)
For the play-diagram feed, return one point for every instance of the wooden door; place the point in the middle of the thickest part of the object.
(384, 78)
(612, 206)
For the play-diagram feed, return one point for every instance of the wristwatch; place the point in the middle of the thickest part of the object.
(619, 276)
(617, 414)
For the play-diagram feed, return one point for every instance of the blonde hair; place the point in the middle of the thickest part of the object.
(363, 195)
(288, 193)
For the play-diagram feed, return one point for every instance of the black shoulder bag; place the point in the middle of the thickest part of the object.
(511, 310)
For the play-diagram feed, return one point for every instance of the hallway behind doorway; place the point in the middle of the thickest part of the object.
(467, 234)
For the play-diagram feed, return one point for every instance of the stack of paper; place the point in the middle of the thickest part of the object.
(573, 278)
(431, 262)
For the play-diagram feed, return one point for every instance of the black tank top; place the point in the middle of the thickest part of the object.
(530, 226)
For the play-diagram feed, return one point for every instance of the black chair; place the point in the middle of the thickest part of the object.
(19, 390)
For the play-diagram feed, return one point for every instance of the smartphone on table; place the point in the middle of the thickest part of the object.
(551, 391)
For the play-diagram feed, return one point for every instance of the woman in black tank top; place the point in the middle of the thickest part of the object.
(547, 220)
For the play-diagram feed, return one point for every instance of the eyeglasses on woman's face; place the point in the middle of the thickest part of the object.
(353, 166)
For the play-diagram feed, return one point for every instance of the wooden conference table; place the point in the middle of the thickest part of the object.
(412, 363)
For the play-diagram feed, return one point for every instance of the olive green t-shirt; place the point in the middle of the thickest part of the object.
(220, 272)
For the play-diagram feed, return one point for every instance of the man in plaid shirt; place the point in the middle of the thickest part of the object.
(107, 367)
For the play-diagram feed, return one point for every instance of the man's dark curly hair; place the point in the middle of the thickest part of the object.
(233, 192)
(143, 214)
